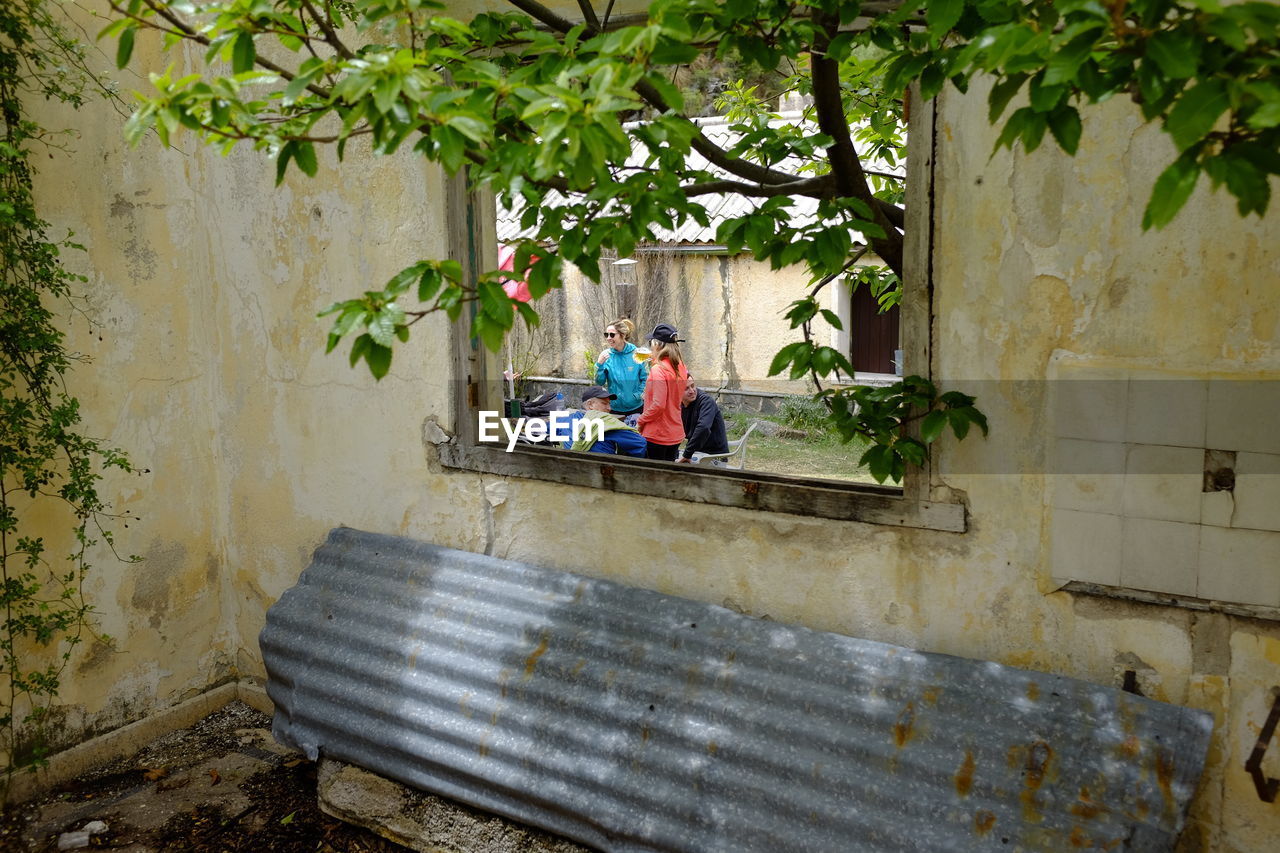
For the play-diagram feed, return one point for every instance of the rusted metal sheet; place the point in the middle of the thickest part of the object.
(634, 721)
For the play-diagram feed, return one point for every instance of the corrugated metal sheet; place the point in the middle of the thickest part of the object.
(632, 721)
(719, 206)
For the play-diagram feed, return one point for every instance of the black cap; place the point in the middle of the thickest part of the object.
(664, 332)
(596, 391)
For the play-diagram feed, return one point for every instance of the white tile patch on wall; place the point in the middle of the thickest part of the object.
(1257, 491)
(1243, 416)
(1241, 566)
(1216, 508)
(1165, 411)
(1163, 483)
(1086, 546)
(1087, 475)
(1091, 409)
(1154, 527)
(1162, 556)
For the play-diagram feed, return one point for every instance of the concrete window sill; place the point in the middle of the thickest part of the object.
(746, 489)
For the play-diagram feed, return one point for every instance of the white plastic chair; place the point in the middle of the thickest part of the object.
(735, 458)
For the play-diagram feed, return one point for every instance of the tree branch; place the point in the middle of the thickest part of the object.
(714, 154)
(330, 35)
(186, 32)
(897, 216)
(589, 14)
(815, 187)
(851, 180)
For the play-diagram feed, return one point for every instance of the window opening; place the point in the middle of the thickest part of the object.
(905, 505)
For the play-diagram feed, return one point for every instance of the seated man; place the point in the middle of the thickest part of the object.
(618, 437)
(703, 423)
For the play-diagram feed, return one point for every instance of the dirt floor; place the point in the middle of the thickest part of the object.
(222, 785)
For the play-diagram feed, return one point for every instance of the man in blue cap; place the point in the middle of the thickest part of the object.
(619, 438)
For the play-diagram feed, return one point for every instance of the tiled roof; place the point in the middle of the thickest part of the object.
(719, 207)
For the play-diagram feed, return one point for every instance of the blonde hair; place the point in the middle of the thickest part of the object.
(625, 327)
(671, 352)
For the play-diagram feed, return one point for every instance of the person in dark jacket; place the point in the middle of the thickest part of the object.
(703, 423)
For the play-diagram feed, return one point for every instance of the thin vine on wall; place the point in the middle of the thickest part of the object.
(45, 456)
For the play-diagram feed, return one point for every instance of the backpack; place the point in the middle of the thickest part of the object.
(540, 406)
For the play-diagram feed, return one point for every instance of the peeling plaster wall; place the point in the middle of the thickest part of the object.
(208, 368)
(211, 373)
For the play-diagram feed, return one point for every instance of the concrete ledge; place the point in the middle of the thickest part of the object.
(126, 740)
(425, 822)
(254, 694)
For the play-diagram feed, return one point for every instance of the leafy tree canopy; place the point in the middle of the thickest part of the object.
(532, 103)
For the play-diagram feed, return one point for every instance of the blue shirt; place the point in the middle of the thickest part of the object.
(624, 376)
(621, 442)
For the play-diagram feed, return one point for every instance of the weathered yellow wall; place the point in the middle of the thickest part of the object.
(1036, 256)
(204, 282)
(729, 310)
(211, 373)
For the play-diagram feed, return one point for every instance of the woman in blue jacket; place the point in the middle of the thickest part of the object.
(618, 369)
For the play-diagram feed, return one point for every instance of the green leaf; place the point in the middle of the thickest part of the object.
(941, 15)
(379, 360)
(530, 316)
(931, 82)
(932, 425)
(1196, 112)
(1248, 184)
(804, 357)
(400, 282)
(670, 52)
(242, 53)
(1001, 93)
(879, 461)
(495, 302)
(911, 451)
(304, 154)
(671, 94)
(359, 347)
(282, 161)
(429, 284)
(1064, 123)
(1176, 52)
(488, 331)
(959, 422)
(298, 85)
(124, 49)
(287, 819)
(469, 126)
(1265, 116)
(382, 329)
(1045, 98)
(1067, 59)
(784, 357)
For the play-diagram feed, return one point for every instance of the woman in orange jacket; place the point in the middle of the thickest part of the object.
(660, 423)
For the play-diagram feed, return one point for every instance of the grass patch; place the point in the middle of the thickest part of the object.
(810, 448)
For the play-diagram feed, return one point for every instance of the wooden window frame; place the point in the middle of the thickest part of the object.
(472, 236)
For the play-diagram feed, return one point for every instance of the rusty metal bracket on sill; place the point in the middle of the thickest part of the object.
(1267, 787)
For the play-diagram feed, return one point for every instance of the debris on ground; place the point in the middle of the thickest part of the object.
(222, 786)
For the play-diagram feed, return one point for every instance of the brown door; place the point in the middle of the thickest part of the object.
(873, 336)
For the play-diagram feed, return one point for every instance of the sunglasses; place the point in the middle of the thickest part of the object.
(610, 334)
